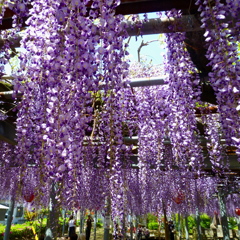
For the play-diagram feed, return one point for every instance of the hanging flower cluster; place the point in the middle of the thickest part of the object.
(71, 74)
(182, 99)
(77, 114)
(9, 176)
(222, 56)
(215, 145)
(9, 36)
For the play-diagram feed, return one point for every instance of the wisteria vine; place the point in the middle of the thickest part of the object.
(77, 113)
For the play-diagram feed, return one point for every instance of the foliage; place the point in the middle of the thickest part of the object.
(40, 226)
(38, 220)
(191, 223)
(151, 217)
(99, 223)
(18, 231)
(201, 104)
(153, 225)
(152, 222)
(64, 222)
(5, 85)
(232, 223)
(30, 216)
(205, 221)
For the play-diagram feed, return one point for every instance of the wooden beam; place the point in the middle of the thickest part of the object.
(187, 23)
(144, 6)
(153, 26)
(231, 162)
(7, 132)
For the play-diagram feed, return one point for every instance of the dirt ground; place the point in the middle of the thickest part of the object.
(99, 235)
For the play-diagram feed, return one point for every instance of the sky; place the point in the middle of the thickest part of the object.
(154, 51)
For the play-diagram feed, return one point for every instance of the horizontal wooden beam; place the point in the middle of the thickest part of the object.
(138, 82)
(143, 82)
(187, 23)
(8, 134)
(145, 6)
(134, 140)
(231, 161)
(152, 26)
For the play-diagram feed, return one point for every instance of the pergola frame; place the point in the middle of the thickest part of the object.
(187, 23)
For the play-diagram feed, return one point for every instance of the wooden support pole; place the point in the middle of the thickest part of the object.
(81, 221)
(199, 230)
(95, 225)
(52, 224)
(131, 228)
(107, 219)
(223, 213)
(9, 219)
(186, 228)
(167, 236)
(64, 221)
(238, 221)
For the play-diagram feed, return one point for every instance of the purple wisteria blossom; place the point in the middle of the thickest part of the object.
(78, 118)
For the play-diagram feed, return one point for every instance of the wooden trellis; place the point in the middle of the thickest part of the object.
(187, 23)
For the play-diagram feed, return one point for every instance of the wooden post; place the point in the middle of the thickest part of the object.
(64, 221)
(124, 226)
(95, 225)
(167, 236)
(223, 213)
(81, 220)
(107, 219)
(199, 230)
(179, 225)
(54, 212)
(238, 221)
(9, 219)
(131, 228)
(186, 228)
